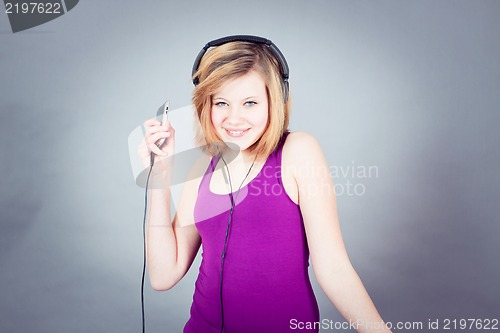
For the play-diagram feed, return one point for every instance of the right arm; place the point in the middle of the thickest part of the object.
(171, 244)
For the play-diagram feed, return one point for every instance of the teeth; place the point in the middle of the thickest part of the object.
(235, 133)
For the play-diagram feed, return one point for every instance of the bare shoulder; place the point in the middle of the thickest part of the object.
(301, 146)
(301, 152)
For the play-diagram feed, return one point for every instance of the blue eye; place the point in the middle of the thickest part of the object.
(250, 103)
(220, 104)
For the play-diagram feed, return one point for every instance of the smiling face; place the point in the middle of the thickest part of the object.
(239, 110)
(229, 75)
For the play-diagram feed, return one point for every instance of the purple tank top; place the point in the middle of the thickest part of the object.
(266, 285)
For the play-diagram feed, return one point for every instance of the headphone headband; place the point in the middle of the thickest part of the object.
(251, 39)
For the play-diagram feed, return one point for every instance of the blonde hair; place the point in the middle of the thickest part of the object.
(229, 61)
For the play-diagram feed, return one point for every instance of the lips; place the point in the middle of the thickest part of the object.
(236, 132)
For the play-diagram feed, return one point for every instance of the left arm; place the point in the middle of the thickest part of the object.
(332, 267)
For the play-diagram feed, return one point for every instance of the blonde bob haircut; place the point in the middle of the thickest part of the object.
(229, 61)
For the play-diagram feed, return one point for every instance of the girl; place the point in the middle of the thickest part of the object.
(265, 202)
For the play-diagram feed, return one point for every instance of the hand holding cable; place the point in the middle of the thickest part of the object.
(158, 140)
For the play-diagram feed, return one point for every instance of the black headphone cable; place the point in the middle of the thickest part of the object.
(151, 164)
(152, 160)
(223, 256)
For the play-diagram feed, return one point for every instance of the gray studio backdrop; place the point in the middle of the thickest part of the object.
(407, 89)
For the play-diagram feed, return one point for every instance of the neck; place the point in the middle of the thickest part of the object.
(239, 158)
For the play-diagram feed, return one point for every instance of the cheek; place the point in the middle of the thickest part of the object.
(215, 119)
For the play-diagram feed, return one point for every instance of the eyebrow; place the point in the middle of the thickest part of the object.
(246, 98)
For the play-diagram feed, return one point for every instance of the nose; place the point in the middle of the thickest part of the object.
(234, 116)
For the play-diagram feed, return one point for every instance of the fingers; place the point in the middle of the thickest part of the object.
(156, 134)
(158, 127)
(154, 137)
(156, 150)
(156, 141)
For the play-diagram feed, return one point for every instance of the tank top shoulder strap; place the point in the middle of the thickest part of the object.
(276, 155)
(279, 149)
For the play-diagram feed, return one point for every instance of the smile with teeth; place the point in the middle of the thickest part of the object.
(236, 132)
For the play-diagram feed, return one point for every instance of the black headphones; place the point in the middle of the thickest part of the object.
(251, 39)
